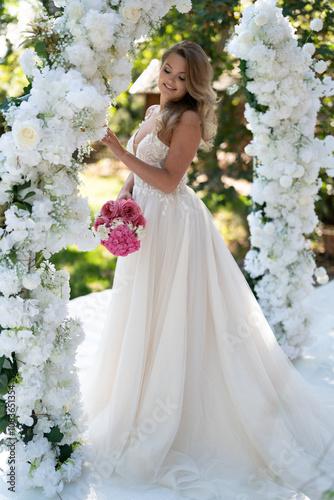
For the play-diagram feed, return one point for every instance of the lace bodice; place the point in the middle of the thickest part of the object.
(154, 152)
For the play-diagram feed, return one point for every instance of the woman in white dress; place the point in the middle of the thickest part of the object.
(190, 388)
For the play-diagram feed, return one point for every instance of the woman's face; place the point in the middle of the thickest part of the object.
(172, 78)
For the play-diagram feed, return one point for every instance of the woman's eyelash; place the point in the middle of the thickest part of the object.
(168, 72)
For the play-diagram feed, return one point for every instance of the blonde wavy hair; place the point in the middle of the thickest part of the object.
(200, 96)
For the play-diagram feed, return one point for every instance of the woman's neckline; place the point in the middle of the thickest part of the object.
(135, 150)
(153, 132)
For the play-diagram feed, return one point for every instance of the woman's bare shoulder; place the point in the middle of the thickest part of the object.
(190, 117)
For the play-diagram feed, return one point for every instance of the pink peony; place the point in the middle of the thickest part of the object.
(122, 241)
(129, 210)
(101, 220)
(110, 209)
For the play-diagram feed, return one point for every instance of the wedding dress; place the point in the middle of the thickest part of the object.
(189, 388)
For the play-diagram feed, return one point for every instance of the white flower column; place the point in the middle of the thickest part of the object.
(41, 213)
(284, 98)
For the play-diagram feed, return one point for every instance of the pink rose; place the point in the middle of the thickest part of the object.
(140, 221)
(129, 210)
(110, 209)
(101, 220)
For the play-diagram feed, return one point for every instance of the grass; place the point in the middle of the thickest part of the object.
(94, 271)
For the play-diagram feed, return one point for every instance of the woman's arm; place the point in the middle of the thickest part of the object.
(183, 147)
(126, 191)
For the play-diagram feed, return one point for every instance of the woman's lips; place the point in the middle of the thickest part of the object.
(168, 88)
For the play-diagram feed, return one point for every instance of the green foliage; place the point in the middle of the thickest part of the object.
(11, 76)
(125, 116)
(54, 436)
(19, 200)
(325, 203)
(65, 451)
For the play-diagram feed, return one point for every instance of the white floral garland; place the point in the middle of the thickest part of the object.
(281, 77)
(43, 212)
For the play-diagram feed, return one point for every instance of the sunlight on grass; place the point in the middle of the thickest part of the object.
(99, 189)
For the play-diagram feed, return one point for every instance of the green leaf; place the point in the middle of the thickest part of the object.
(3, 409)
(25, 185)
(10, 101)
(4, 421)
(20, 205)
(3, 381)
(23, 205)
(6, 104)
(2, 393)
(2, 361)
(41, 49)
(65, 452)
(54, 436)
(28, 88)
(7, 364)
(28, 195)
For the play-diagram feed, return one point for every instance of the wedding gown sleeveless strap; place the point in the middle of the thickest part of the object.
(189, 388)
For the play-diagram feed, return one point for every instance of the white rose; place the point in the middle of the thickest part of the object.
(26, 134)
(320, 67)
(316, 24)
(131, 14)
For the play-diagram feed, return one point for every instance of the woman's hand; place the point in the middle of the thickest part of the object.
(110, 140)
(124, 194)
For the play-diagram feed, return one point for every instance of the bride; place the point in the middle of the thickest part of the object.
(189, 388)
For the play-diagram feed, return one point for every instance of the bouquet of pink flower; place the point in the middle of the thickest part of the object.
(120, 226)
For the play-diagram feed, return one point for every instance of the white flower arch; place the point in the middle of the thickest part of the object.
(285, 99)
(80, 62)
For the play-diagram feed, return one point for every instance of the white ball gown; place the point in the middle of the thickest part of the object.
(189, 388)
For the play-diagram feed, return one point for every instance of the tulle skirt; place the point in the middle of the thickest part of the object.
(189, 388)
